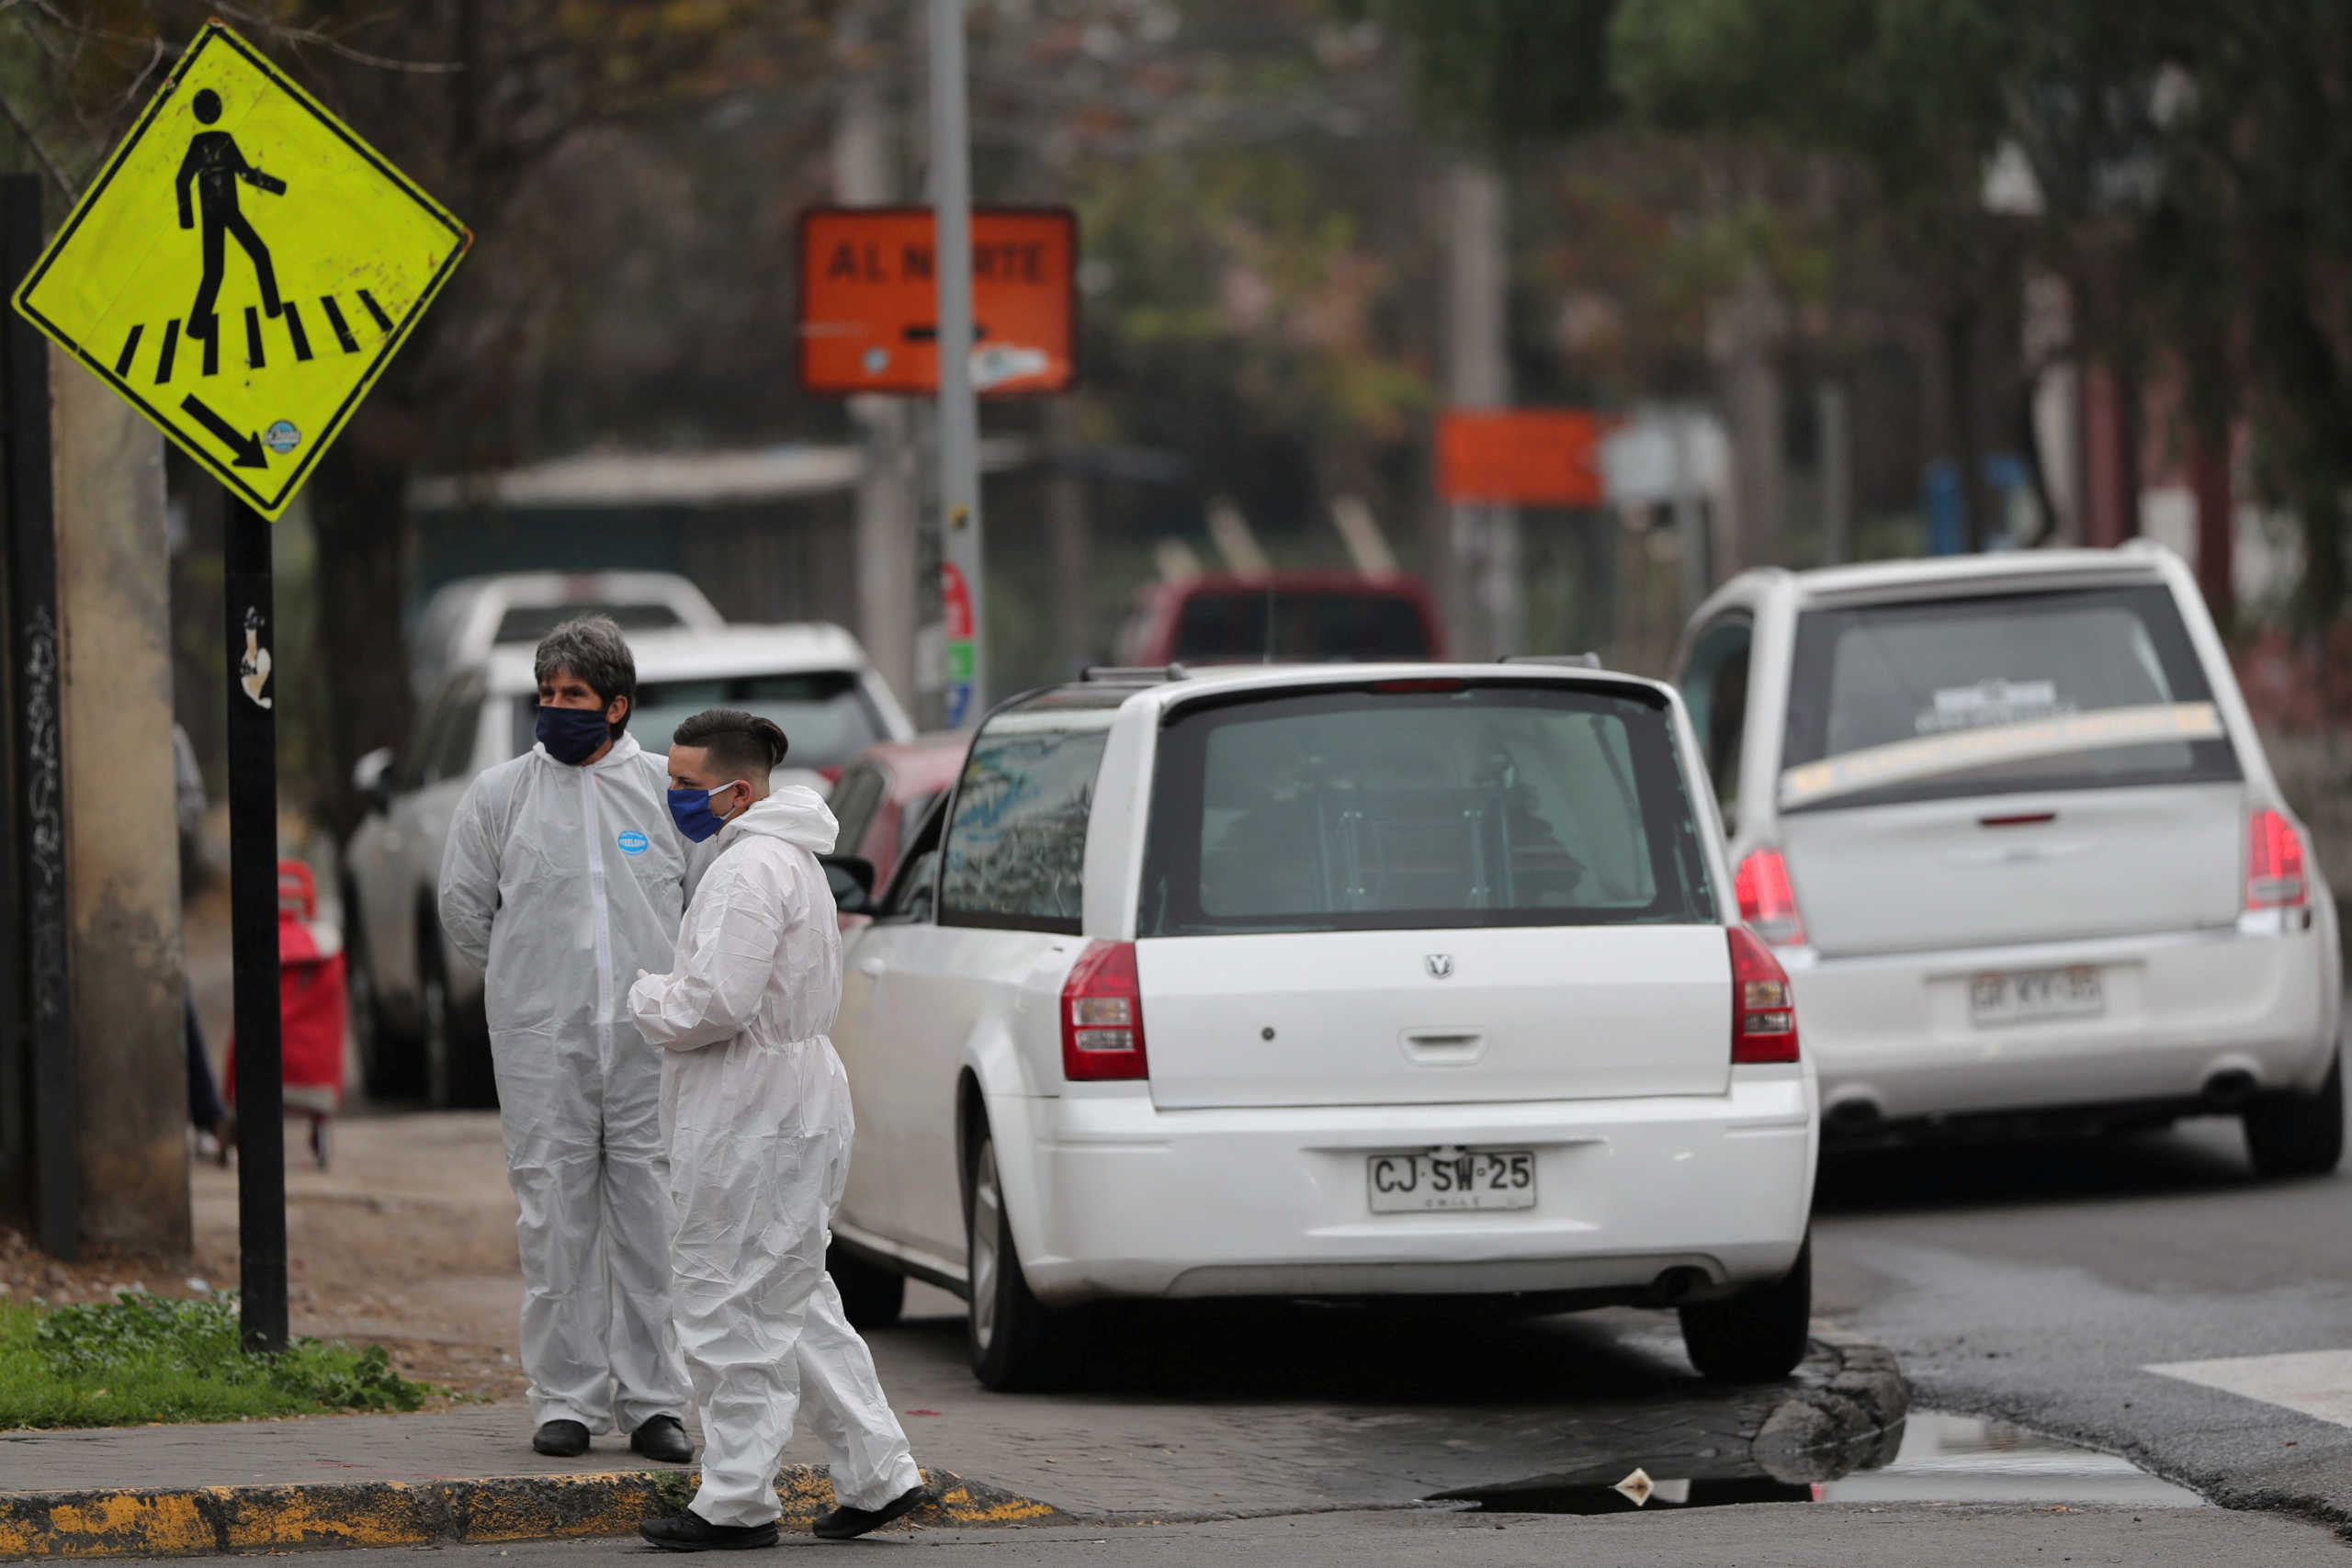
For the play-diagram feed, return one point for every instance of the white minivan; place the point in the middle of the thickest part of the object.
(1344, 982)
(2007, 824)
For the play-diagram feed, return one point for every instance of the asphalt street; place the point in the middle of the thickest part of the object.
(2040, 1284)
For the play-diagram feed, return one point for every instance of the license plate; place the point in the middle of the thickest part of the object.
(2034, 995)
(1453, 1179)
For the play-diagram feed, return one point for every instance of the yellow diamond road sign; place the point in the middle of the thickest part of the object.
(242, 269)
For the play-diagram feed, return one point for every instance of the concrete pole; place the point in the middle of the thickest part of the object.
(1485, 606)
(959, 414)
(121, 825)
(866, 174)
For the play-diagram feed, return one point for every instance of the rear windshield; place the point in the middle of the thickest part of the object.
(1306, 627)
(2084, 689)
(1504, 804)
(825, 714)
(529, 622)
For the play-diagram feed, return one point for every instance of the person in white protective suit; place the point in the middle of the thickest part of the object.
(563, 878)
(756, 1110)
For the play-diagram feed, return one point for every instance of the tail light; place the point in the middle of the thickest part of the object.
(1763, 1013)
(1102, 1016)
(2274, 863)
(1766, 901)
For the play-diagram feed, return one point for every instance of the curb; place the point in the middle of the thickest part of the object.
(1849, 1419)
(201, 1520)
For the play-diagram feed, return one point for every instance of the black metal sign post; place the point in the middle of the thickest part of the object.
(253, 925)
(38, 819)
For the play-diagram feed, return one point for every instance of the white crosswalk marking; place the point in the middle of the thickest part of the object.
(2317, 1383)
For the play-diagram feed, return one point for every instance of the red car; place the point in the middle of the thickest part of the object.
(1304, 617)
(879, 799)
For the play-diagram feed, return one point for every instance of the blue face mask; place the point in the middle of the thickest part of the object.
(572, 735)
(691, 809)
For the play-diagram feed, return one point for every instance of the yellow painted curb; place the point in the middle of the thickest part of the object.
(194, 1521)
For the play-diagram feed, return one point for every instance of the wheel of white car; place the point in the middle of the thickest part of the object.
(1017, 1343)
(872, 1296)
(1756, 1335)
(2296, 1134)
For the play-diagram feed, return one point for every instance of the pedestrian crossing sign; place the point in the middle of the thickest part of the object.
(242, 269)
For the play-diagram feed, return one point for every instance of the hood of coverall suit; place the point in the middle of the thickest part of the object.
(796, 814)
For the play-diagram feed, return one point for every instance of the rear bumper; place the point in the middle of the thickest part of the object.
(2183, 1012)
(1132, 1200)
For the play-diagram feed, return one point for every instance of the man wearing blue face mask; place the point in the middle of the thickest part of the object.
(563, 878)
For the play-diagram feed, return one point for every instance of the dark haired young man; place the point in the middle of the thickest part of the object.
(756, 1110)
(563, 878)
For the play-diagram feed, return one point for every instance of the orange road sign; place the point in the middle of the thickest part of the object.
(1520, 456)
(869, 301)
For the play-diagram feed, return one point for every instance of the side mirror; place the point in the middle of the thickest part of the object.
(371, 776)
(852, 881)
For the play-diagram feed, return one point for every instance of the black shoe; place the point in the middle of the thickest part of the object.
(848, 1523)
(561, 1439)
(692, 1532)
(663, 1438)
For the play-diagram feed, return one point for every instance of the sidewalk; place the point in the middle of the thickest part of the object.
(469, 1473)
(409, 1240)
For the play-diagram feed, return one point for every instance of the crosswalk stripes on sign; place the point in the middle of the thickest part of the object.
(178, 349)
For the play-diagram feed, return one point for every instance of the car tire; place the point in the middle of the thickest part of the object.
(1018, 1344)
(2297, 1135)
(458, 1072)
(872, 1296)
(1758, 1335)
(388, 1058)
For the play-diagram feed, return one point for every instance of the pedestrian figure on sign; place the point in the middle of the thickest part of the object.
(216, 165)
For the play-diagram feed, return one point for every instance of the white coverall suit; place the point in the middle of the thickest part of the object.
(757, 1113)
(563, 881)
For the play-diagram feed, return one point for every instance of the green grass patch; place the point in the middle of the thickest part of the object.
(144, 1358)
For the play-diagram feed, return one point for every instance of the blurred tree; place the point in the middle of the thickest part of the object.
(1917, 93)
(487, 104)
(2253, 237)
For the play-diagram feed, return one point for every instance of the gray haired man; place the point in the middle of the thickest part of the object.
(563, 878)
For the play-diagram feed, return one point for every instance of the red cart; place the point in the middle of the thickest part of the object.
(313, 1005)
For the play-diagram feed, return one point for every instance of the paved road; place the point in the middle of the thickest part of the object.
(1783, 1536)
(2040, 1284)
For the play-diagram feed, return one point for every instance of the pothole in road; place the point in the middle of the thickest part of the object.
(1939, 1458)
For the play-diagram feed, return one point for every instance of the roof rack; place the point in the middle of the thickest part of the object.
(1132, 674)
(1571, 661)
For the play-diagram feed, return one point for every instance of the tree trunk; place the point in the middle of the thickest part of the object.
(1960, 368)
(2216, 530)
(355, 497)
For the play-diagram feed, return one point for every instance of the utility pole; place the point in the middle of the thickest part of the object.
(959, 423)
(1071, 534)
(1693, 534)
(866, 174)
(1484, 602)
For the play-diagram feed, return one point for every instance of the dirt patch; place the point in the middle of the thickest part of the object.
(408, 1241)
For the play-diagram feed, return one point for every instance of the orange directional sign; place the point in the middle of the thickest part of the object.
(869, 303)
(1520, 456)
